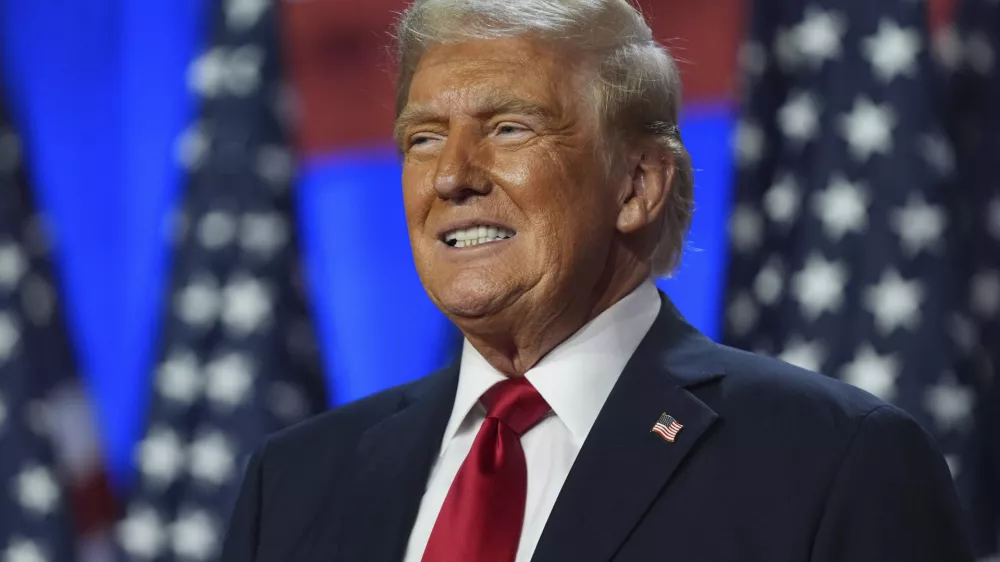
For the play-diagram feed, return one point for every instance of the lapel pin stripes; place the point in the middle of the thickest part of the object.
(667, 428)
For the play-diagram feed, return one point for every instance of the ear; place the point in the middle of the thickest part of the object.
(650, 171)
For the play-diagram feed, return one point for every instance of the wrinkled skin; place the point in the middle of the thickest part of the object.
(504, 132)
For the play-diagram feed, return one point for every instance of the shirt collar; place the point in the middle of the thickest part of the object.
(577, 376)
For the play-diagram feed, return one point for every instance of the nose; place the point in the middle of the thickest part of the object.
(461, 173)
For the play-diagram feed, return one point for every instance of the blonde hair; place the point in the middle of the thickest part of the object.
(638, 84)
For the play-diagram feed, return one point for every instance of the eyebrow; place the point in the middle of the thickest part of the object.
(494, 104)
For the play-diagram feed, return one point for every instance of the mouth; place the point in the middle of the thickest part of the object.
(476, 235)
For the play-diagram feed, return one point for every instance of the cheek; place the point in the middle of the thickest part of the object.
(417, 195)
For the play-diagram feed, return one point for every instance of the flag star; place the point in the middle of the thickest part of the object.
(242, 75)
(742, 314)
(216, 229)
(275, 164)
(947, 48)
(819, 35)
(13, 266)
(73, 429)
(141, 533)
(287, 401)
(10, 151)
(872, 372)
(206, 74)
(300, 339)
(963, 332)
(938, 153)
(230, 379)
(842, 207)
(979, 53)
(786, 48)
(10, 335)
(746, 229)
(39, 300)
(985, 293)
(868, 128)
(222, 70)
(892, 51)
(37, 490)
(161, 456)
(798, 118)
(247, 304)
(920, 226)
(194, 536)
(38, 235)
(192, 146)
(263, 233)
(244, 14)
(807, 355)
(198, 303)
(819, 286)
(895, 302)
(284, 102)
(993, 218)
(769, 283)
(21, 550)
(174, 227)
(752, 59)
(212, 459)
(178, 378)
(748, 142)
(39, 418)
(949, 403)
(781, 202)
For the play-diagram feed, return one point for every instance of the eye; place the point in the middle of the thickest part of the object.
(509, 128)
(423, 139)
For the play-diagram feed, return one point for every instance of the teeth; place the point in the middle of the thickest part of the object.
(476, 235)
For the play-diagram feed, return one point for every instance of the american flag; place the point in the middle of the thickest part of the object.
(968, 53)
(55, 502)
(667, 428)
(238, 359)
(848, 240)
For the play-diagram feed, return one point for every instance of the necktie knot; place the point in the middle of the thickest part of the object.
(515, 403)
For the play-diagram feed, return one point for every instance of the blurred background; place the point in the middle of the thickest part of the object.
(202, 236)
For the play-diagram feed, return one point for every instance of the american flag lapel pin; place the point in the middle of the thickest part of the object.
(667, 428)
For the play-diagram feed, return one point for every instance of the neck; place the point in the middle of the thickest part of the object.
(515, 343)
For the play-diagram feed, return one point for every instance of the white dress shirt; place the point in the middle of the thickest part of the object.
(575, 379)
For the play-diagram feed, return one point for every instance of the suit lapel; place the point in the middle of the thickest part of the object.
(622, 466)
(389, 475)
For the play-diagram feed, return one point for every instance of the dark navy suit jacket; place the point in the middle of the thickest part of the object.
(774, 464)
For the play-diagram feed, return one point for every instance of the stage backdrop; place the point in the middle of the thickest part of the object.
(99, 90)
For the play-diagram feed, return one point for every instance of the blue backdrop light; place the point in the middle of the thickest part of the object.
(99, 90)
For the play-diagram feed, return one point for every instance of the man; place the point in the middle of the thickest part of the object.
(545, 183)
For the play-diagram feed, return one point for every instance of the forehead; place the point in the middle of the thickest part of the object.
(459, 76)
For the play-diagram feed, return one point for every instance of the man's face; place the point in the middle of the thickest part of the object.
(507, 200)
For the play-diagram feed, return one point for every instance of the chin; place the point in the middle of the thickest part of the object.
(473, 298)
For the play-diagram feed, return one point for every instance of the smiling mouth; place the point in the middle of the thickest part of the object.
(476, 235)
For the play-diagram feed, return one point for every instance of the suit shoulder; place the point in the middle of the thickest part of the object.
(799, 424)
(339, 427)
(771, 387)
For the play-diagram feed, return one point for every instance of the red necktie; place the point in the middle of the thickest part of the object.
(482, 515)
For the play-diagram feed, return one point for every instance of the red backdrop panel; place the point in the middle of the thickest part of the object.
(341, 65)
